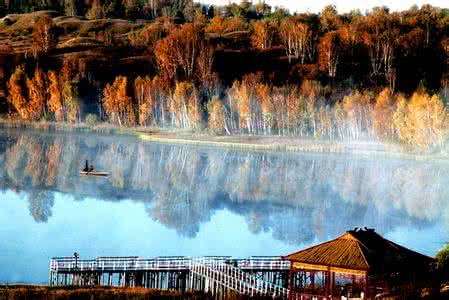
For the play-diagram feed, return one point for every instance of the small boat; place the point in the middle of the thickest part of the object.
(94, 173)
(90, 171)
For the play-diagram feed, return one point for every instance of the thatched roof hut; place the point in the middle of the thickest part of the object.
(363, 250)
(359, 256)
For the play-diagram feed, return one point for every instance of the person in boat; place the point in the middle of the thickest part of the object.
(88, 168)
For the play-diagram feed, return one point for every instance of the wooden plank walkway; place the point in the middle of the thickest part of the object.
(217, 272)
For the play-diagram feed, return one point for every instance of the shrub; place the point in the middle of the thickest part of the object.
(443, 262)
(8, 21)
(91, 120)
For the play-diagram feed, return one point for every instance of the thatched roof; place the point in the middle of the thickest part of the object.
(362, 250)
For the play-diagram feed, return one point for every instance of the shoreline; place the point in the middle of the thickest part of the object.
(46, 292)
(254, 143)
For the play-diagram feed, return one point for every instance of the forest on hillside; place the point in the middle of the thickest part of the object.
(242, 68)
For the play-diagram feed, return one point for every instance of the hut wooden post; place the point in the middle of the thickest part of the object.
(290, 283)
(312, 280)
(366, 286)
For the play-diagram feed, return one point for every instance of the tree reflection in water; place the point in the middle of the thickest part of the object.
(299, 198)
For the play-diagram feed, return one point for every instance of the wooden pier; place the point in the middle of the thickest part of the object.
(218, 275)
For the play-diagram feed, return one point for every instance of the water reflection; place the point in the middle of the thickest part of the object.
(297, 198)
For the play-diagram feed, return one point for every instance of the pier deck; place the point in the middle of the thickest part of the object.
(219, 275)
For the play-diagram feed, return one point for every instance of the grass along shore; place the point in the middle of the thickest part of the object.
(258, 143)
(43, 292)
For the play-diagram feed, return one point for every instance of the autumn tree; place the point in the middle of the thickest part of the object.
(381, 37)
(220, 25)
(263, 34)
(117, 104)
(216, 25)
(185, 107)
(150, 96)
(351, 38)
(72, 7)
(69, 93)
(152, 8)
(358, 111)
(235, 24)
(27, 95)
(242, 98)
(295, 38)
(329, 53)
(267, 107)
(17, 96)
(383, 114)
(206, 77)
(37, 91)
(295, 111)
(422, 122)
(145, 102)
(132, 8)
(329, 18)
(400, 117)
(96, 11)
(55, 104)
(217, 121)
(427, 17)
(178, 52)
(44, 36)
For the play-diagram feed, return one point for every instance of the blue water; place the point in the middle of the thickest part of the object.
(181, 200)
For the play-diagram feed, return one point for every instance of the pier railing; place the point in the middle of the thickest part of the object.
(135, 263)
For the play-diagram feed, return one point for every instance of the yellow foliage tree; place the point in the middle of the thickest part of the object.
(55, 104)
(263, 34)
(383, 114)
(423, 122)
(70, 100)
(217, 121)
(185, 107)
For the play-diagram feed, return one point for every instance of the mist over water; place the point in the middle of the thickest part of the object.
(183, 200)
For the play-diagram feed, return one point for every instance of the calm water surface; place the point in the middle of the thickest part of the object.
(181, 200)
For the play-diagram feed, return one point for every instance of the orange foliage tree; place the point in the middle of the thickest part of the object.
(263, 34)
(17, 96)
(178, 52)
(55, 104)
(117, 104)
(329, 53)
(37, 91)
(206, 77)
(31, 105)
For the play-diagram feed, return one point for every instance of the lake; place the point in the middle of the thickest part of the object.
(181, 200)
